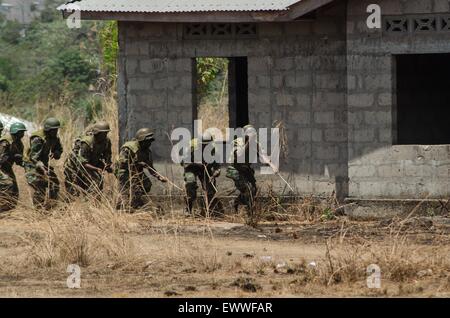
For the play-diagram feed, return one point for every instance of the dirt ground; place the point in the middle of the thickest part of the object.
(183, 257)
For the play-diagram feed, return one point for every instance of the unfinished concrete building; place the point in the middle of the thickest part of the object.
(366, 109)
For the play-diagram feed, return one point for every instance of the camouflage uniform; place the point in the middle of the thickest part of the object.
(132, 169)
(87, 150)
(98, 155)
(242, 173)
(39, 174)
(11, 152)
(71, 169)
(206, 173)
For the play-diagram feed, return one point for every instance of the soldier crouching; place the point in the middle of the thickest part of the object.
(134, 169)
(41, 177)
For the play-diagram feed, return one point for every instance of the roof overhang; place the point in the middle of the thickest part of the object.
(290, 13)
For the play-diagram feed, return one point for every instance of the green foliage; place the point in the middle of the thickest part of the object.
(10, 32)
(328, 214)
(50, 14)
(7, 73)
(110, 47)
(53, 64)
(208, 69)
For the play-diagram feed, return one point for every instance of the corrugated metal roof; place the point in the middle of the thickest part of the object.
(174, 6)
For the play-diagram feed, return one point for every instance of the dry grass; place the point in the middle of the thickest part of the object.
(154, 250)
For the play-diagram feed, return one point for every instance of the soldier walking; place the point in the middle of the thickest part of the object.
(44, 146)
(134, 169)
(11, 152)
(206, 172)
(90, 158)
(241, 170)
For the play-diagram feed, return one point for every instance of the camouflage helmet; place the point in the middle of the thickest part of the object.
(51, 123)
(17, 127)
(101, 126)
(144, 134)
(206, 138)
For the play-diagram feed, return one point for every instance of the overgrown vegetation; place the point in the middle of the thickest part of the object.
(48, 63)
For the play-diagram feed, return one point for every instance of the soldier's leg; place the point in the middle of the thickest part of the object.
(53, 185)
(124, 200)
(141, 194)
(215, 207)
(94, 183)
(39, 186)
(251, 184)
(70, 182)
(190, 182)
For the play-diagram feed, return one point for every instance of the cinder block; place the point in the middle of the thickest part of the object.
(285, 99)
(325, 152)
(136, 47)
(336, 135)
(389, 171)
(360, 100)
(385, 99)
(378, 81)
(362, 171)
(150, 66)
(324, 117)
(330, 81)
(317, 135)
(364, 135)
(139, 83)
(303, 100)
(300, 117)
(417, 6)
(284, 63)
(298, 80)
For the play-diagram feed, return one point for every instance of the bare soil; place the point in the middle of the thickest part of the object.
(181, 257)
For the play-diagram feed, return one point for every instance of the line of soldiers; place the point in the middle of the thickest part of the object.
(91, 157)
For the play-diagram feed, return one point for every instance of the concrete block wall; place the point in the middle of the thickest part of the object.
(296, 74)
(377, 168)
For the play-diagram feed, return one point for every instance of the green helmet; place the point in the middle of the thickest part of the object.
(17, 127)
(144, 134)
(51, 123)
(101, 126)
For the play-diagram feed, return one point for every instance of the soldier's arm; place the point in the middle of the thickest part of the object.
(215, 166)
(124, 159)
(4, 152)
(84, 155)
(108, 156)
(18, 159)
(152, 169)
(36, 147)
(57, 150)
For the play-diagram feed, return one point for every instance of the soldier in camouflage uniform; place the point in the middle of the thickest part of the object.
(133, 170)
(89, 159)
(44, 145)
(1, 128)
(206, 173)
(11, 152)
(241, 170)
(72, 167)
